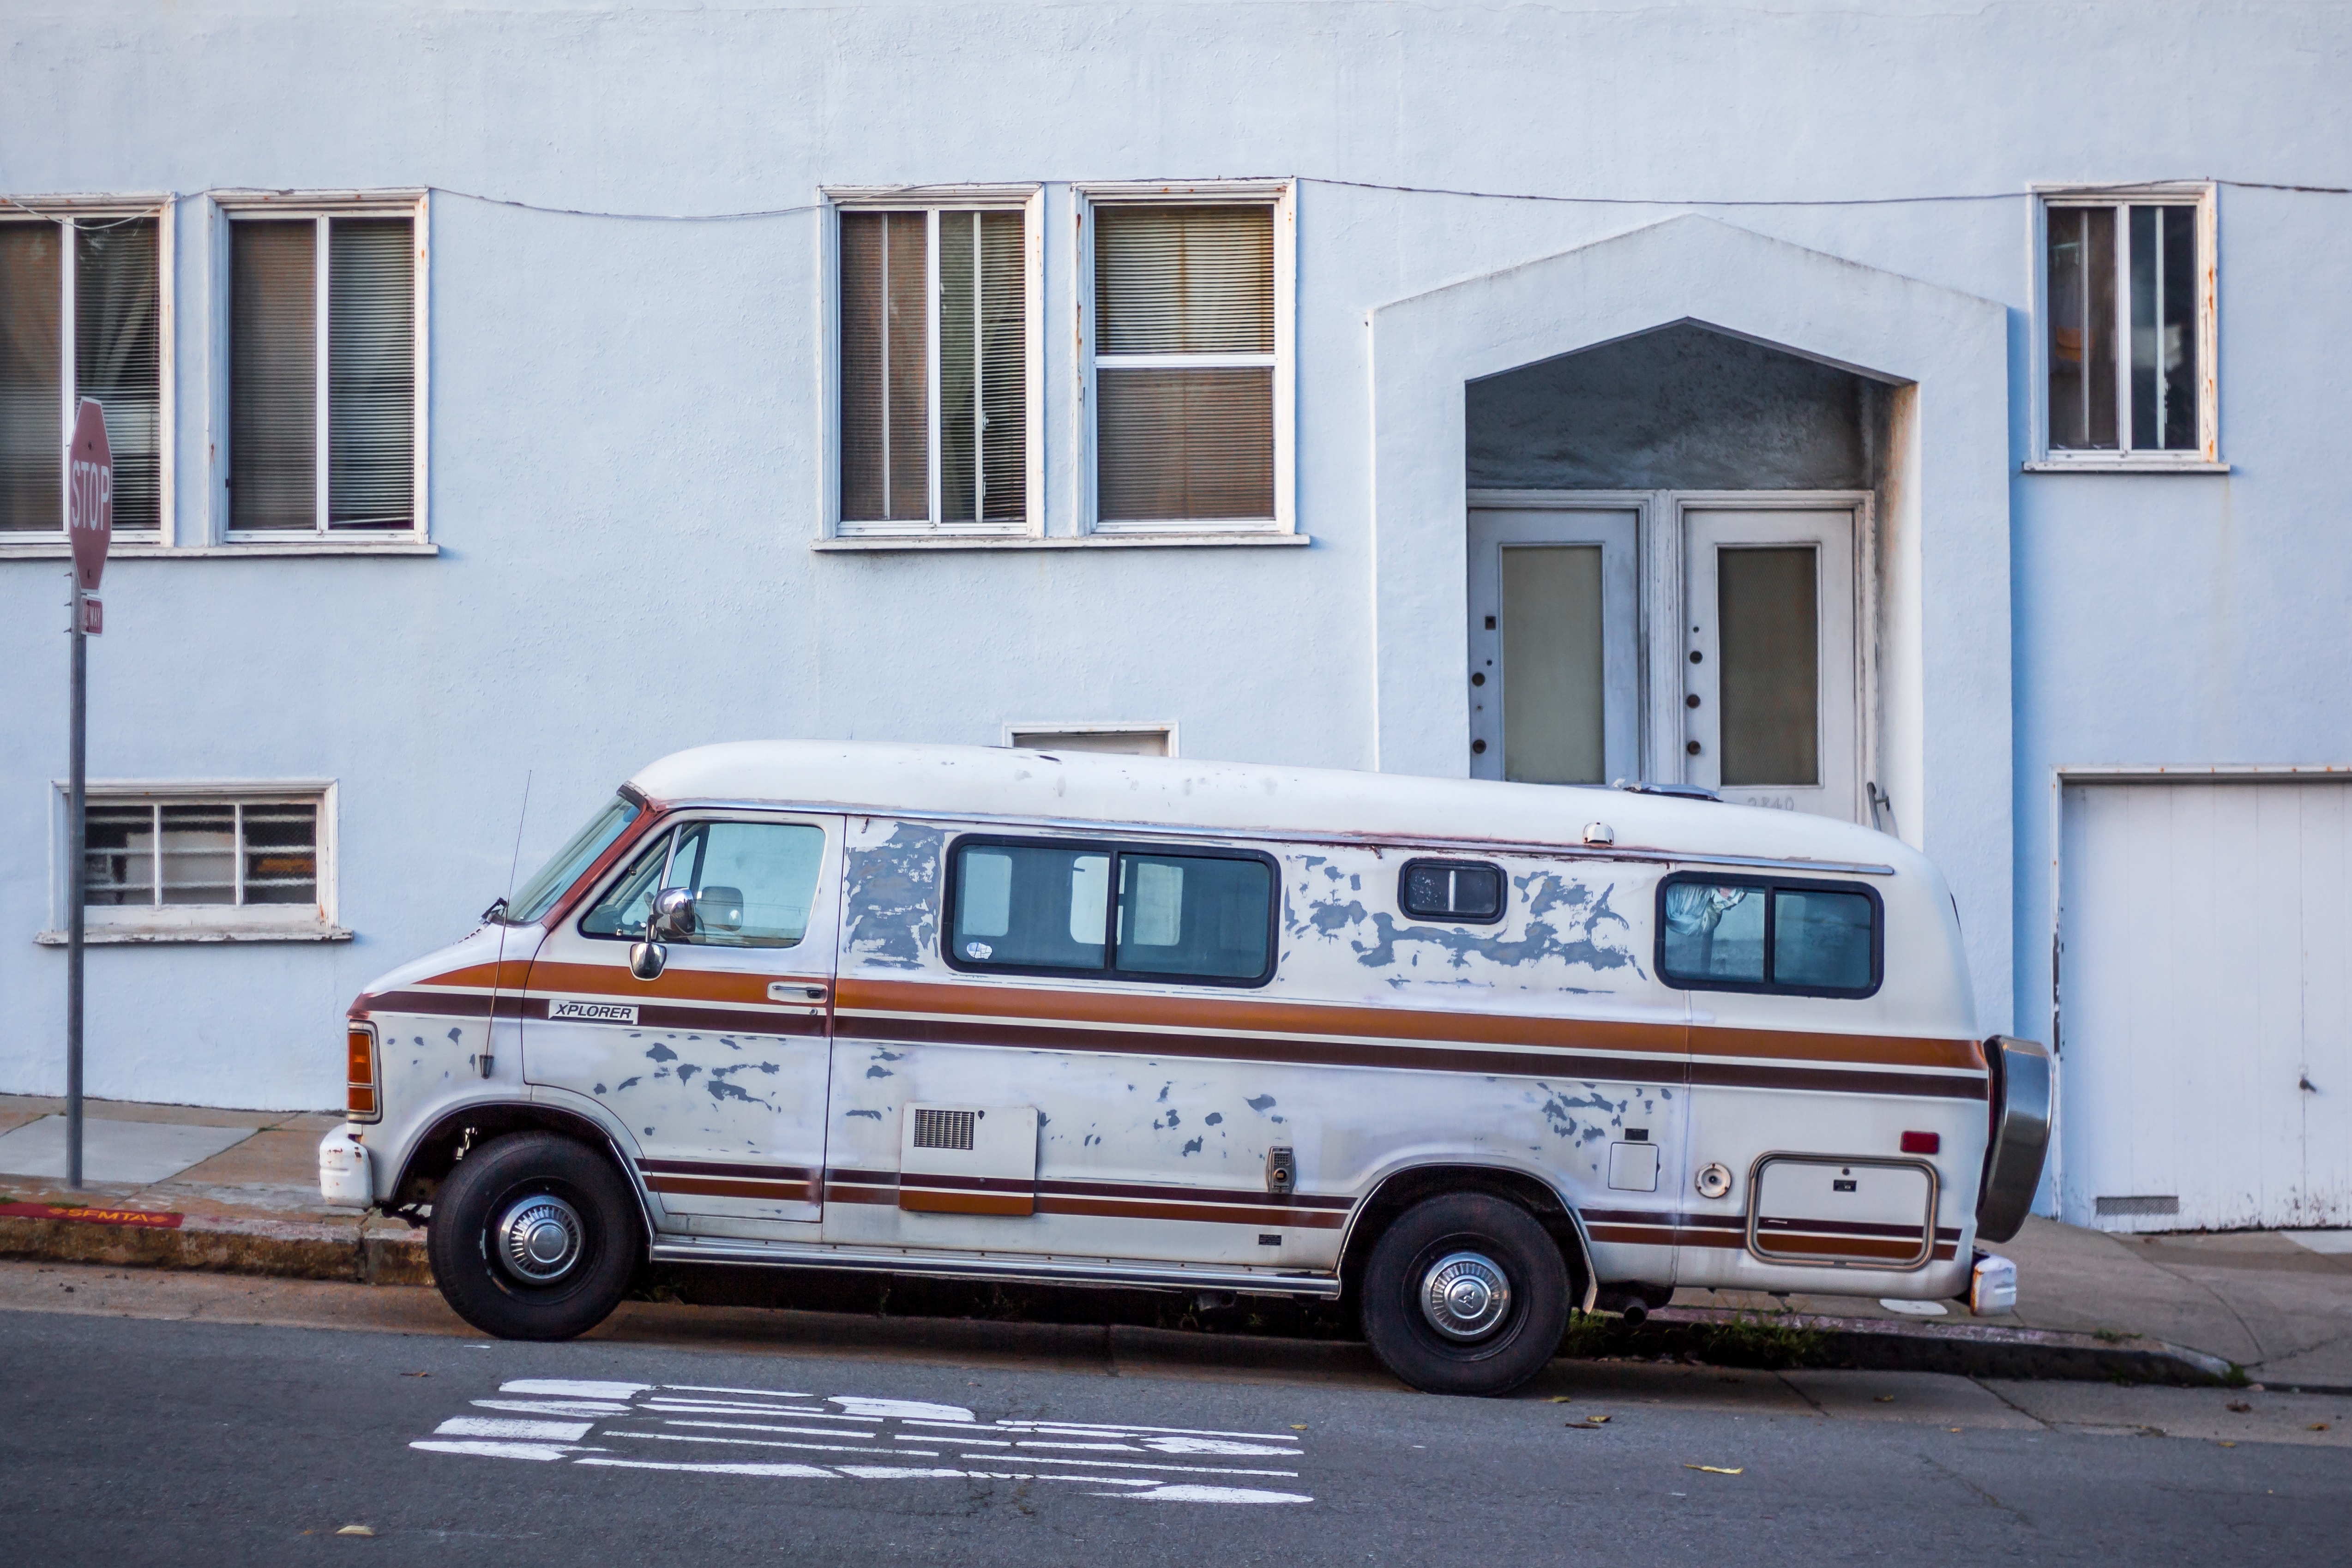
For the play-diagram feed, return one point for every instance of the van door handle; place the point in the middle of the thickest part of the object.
(794, 990)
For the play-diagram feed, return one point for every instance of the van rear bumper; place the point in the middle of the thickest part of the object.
(346, 1173)
(2020, 1135)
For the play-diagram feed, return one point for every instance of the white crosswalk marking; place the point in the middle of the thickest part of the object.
(614, 1423)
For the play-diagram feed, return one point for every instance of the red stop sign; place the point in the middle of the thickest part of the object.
(89, 494)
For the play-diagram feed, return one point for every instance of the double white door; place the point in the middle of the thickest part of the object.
(1667, 639)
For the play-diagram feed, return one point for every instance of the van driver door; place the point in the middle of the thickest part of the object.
(718, 1066)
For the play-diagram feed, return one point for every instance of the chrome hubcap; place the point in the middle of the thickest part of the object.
(1464, 1295)
(540, 1238)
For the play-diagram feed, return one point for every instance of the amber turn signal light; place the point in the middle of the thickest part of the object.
(359, 1103)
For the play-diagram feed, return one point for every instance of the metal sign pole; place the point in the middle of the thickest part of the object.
(78, 870)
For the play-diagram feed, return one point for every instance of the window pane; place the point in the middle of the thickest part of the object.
(199, 854)
(2178, 349)
(281, 854)
(1770, 648)
(623, 910)
(1715, 933)
(1174, 445)
(752, 882)
(118, 357)
(32, 438)
(1031, 905)
(959, 367)
(1452, 889)
(118, 855)
(2082, 326)
(1183, 280)
(907, 371)
(1194, 915)
(1821, 941)
(372, 361)
(863, 420)
(1553, 687)
(1004, 368)
(541, 891)
(884, 420)
(2148, 411)
(273, 375)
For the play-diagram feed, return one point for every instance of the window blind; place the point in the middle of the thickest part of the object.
(1176, 442)
(371, 372)
(983, 402)
(1183, 280)
(885, 370)
(118, 357)
(273, 375)
(1184, 444)
(32, 440)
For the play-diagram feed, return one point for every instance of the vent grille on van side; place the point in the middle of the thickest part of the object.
(2139, 1205)
(944, 1129)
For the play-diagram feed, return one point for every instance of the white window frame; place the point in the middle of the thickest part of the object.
(1282, 196)
(1016, 729)
(67, 212)
(1028, 200)
(2206, 459)
(199, 922)
(232, 206)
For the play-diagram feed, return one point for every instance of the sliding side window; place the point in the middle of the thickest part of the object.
(1794, 938)
(1049, 908)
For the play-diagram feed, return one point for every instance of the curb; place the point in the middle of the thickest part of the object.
(1717, 1336)
(282, 1249)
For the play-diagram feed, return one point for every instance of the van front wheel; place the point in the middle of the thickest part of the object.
(1465, 1294)
(534, 1235)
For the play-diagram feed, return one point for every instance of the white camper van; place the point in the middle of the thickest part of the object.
(1472, 1053)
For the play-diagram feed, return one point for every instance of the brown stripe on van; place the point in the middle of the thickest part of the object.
(703, 1186)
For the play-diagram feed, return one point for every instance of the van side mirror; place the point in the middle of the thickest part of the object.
(673, 916)
(647, 959)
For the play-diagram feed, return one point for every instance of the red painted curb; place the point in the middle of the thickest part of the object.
(166, 1221)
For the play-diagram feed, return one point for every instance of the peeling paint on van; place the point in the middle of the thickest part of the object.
(891, 898)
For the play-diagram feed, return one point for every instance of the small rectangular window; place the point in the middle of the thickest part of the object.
(93, 332)
(1048, 907)
(162, 865)
(2128, 302)
(1742, 933)
(934, 369)
(1185, 356)
(322, 375)
(1467, 891)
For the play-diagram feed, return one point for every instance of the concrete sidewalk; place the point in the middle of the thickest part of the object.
(2089, 1304)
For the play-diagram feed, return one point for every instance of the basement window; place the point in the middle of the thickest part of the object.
(205, 864)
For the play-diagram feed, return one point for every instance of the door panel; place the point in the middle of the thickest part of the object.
(1772, 699)
(2206, 1005)
(718, 1066)
(1554, 646)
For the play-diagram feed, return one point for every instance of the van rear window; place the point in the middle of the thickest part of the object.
(1748, 934)
(1136, 912)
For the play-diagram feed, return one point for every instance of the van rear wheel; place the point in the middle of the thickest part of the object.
(534, 1235)
(1465, 1294)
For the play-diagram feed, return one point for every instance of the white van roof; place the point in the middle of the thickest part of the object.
(1182, 794)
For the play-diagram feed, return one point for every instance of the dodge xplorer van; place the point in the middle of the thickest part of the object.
(1472, 1053)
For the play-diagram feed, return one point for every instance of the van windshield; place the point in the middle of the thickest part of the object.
(540, 894)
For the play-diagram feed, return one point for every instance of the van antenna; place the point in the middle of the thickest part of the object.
(498, 969)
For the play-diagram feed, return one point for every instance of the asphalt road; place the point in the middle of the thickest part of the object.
(134, 1440)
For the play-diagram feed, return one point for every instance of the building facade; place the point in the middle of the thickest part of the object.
(1909, 416)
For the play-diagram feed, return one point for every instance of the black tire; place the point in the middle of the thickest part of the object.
(496, 1293)
(1489, 1359)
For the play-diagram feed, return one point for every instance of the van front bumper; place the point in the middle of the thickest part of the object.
(346, 1175)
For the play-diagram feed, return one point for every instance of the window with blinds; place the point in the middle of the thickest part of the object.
(1185, 364)
(323, 375)
(934, 371)
(100, 316)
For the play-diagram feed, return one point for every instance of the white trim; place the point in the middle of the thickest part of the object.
(887, 543)
(836, 532)
(2206, 457)
(322, 207)
(1165, 730)
(400, 544)
(208, 921)
(1282, 196)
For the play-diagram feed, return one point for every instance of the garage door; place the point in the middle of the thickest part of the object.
(2205, 1004)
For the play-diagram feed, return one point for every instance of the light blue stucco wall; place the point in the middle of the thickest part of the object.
(624, 415)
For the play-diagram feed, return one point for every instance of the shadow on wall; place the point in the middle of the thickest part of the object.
(1683, 407)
